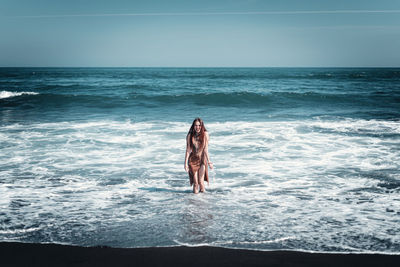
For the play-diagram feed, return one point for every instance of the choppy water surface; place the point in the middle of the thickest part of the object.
(305, 159)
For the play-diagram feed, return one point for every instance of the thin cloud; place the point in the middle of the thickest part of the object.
(306, 12)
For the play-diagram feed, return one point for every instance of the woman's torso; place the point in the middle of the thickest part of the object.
(197, 146)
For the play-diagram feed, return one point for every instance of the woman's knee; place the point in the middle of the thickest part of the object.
(202, 171)
(196, 179)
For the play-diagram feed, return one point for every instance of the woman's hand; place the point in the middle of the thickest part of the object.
(211, 165)
(186, 167)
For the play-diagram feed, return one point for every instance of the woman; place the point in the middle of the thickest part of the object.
(197, 159)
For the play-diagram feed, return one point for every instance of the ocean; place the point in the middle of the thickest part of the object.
(306, 159)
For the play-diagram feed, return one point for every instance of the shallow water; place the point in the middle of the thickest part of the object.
(95, 157)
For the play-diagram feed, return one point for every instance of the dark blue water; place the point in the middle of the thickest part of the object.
(179, 94)
(305, 158)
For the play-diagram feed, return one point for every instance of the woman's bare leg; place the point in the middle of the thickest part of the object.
(201, 172)
(195, 183)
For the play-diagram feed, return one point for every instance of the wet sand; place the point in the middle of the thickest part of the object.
(24, 254)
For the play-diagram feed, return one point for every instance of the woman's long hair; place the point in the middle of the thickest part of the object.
(192, 132)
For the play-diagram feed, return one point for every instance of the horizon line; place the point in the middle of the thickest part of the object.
(304, 12)
(205, 67)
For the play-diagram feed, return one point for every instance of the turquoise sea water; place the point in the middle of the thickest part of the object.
(305, 159)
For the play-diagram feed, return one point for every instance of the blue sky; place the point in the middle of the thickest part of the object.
(219, 33)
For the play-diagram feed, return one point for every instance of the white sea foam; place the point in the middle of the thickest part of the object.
(317, 180)
(7, 94)
(18, 231)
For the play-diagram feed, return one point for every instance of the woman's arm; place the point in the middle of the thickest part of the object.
(206, 150)
(188, 150)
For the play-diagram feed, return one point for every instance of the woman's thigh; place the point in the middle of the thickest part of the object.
(196, 177)
(201, 172)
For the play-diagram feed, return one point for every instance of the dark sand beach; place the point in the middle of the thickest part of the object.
(24, 254)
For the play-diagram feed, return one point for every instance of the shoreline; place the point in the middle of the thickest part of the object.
(35, 254)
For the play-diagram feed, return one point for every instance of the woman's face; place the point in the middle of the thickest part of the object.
(197, 126)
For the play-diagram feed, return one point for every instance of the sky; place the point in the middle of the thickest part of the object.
(207, 33)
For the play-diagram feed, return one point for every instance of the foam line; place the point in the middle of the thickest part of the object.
(8, 94)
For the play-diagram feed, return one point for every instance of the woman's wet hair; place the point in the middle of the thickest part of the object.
(192, 131)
